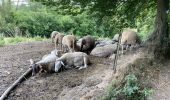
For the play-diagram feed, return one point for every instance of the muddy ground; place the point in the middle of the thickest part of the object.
(15, 61)
(72, 84)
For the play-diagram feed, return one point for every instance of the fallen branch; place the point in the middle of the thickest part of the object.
(5, 94)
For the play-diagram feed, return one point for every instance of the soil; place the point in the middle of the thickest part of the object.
(72, 84)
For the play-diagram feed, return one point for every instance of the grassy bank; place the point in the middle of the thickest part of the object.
(15, 40)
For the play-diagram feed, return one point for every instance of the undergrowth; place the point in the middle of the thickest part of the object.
(131, 89)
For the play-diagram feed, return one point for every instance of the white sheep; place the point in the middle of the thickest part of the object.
(129, 38)
(47, 63)
(75, 59)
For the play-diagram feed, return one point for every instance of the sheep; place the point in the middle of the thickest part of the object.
(58, 40)
(104, 51)
(115, 38)
(75, 59)
(47, 63)
(129, 38)
(53, 34)
(69, 42)
(101, 43)
(87, 44)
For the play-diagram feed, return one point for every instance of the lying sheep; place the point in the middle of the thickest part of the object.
(75, 59)
(69, 42)
(104, 51)
(87, 44)
(47, 63)
(58, 40)
(53, 34)
(101, 43)
(129, 38)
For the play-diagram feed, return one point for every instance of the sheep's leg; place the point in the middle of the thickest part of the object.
(127, 46)
(55, 45)
(131, 47)
(60, 46)
(85, 63)
(41, 69)
(64, 48)
(82, 67)
(122, 48)
(77, 66)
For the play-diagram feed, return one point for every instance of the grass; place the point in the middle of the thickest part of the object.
(15, 40)
(130, 89)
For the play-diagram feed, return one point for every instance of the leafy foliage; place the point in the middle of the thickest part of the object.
(131, 90)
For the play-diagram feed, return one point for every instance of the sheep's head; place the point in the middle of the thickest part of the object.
(34, 66)
(56, 52)
(58, 65)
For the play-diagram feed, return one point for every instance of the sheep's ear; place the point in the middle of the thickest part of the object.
(31, 61)
(63, 63)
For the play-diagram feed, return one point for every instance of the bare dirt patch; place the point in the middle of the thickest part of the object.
(14, 62)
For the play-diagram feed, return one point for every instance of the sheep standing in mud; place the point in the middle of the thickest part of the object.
(47, 63)
(77, 59)
(53, 34)
(129, 38)
(58, 40)
(69, 42)
(87, 44)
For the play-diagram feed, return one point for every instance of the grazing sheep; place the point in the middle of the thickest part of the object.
(129, 38)
(104, 51)
(69, 42)
(53, 34)
(58, 40)
(87, 44)
(77, 59)
(47, 63)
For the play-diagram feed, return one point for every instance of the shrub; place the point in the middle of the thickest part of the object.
(130, 90)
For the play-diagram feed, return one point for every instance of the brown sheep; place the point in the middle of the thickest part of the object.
(53, 34)
(87, 44)
(129, 38)
(69, 42)
(58, 40)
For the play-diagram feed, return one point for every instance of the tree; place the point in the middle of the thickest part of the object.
(159, 40)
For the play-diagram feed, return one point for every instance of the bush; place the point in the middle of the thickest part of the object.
(37, 19)
(130, 90)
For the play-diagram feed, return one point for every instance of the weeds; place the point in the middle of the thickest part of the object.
(130, 90)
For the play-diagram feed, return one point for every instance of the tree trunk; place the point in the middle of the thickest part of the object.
(159, 39)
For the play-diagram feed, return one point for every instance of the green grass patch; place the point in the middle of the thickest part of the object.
(131, 89)
(15, 40)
